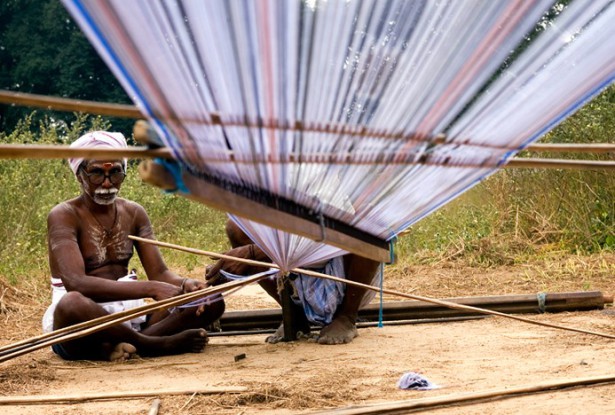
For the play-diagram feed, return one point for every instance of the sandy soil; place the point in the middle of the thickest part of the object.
(304, 377)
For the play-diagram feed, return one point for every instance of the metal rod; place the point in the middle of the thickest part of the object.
(419, 310)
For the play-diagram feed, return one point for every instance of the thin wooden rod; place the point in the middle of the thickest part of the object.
(213, 118)
(572, 148)
(402, 407)
(540, 163)
(67, 104)
(37, 151)
(49, 399)
(374, 288)
(92, 326)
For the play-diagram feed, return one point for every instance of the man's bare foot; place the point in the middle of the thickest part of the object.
(187, 341)
(341, 330)
(121, 352)
(278, 336)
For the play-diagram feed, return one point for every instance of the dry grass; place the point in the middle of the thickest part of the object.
(25, 377)
(549, 273)
(329, 388)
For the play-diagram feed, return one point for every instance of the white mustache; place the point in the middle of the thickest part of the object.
(105, 191)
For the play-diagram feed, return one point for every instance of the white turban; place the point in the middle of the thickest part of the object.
(97, 139)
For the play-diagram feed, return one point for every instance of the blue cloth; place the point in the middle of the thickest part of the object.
(320, 297)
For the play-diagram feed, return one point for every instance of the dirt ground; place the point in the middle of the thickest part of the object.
(304, 377)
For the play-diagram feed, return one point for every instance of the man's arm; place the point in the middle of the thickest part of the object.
(66, 262)
(152, 260)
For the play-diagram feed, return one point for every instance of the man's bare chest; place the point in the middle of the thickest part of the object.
(101, 247)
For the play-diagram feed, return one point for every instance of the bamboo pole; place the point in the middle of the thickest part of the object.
(53, 399)
(38, 151)
(373, 288)
(598, 148)
(402, 407)
(91, 326)
(67, 104)
(130, 111)
(540, 163)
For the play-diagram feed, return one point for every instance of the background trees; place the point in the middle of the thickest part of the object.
(42, 51)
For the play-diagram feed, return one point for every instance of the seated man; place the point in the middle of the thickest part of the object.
(89, 252)
(337, 309)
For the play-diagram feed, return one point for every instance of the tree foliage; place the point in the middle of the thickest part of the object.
(42, 51)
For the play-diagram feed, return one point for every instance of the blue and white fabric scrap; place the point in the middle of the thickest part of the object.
(415, 381)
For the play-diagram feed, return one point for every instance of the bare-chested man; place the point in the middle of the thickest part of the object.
(340, 324)
(89, 252)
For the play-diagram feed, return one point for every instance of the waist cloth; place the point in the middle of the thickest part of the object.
(320, 298)
(58, 291)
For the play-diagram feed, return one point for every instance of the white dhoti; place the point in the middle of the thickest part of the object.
(58, 291)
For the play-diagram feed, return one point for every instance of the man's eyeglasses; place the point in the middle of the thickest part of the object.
(97, 176)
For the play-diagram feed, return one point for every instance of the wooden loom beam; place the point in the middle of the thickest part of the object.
(228, 201)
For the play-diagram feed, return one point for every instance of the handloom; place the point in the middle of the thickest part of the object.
(435, 96)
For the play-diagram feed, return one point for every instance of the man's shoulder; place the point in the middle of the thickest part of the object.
(129, 205)
(64, 208)
(65, 214)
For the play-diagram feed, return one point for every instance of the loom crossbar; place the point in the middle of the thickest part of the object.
(327, 231)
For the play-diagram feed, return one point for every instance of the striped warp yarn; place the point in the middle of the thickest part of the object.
(492, 76)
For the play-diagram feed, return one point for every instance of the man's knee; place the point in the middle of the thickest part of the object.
(360, 269)
(216, 309)
(235, 235)
(71, 306)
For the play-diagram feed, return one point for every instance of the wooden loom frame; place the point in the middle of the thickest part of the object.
(217, 195)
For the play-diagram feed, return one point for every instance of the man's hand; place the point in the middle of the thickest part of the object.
(190, 285)
(213, 275)
(163, 290)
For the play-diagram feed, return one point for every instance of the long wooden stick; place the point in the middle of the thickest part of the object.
(67, 104)
(92, 326)
(133, 312)
(427, 403)
(130, 111)
(373, 288)
(38, 151)
(573, 148)
(539, 163)
(48, 399)
(153, 410)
